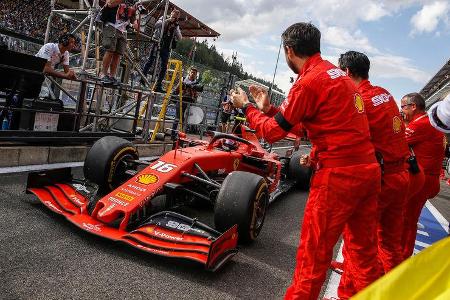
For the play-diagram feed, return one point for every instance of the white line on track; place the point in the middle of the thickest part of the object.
(333, 282)
(437, 215)
(421, 232)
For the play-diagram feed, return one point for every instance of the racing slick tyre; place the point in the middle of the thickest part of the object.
(105, 162)
(242, 200)
(299, 173)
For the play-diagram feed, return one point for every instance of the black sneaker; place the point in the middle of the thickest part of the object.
(114, 81)
(106, 79)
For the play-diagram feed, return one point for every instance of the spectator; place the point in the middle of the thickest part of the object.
(116, 16)
(55, 54)
(171, 35)
(227, 109)
(31, 18)
(428, 146)
(190, 88)
(346, 183)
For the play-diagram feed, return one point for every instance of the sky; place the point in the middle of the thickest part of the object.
(407, 41)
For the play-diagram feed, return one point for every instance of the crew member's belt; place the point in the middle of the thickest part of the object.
(394, 167)
(345, 162)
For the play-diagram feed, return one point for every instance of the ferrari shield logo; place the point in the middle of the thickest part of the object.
(359, 103)
(147, 179)
(396, 124)
(236, 164)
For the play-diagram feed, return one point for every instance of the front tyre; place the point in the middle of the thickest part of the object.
(242, 200)
(106, 162)
(302, 175)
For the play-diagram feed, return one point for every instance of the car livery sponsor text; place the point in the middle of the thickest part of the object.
(165, 235)
(52, 206)
(125, 196)
(76, 199)
(137, 188)
(92, 227)
(128, 191)
(117, 201)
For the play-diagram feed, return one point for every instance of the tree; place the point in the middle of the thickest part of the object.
(207, 55)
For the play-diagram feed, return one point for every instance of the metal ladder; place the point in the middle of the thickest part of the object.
(174, 70)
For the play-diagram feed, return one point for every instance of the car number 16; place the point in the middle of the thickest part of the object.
(163, 167)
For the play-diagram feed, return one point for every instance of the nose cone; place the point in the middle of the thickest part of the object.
(109, 213)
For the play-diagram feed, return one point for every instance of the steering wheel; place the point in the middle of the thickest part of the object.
(220, 135)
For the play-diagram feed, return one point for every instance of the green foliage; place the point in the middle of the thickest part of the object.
(207, 55)
(207, 77)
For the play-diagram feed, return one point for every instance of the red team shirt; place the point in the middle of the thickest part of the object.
(427, 143)
(325, 101)
(387, 129)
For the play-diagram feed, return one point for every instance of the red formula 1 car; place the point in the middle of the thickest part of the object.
(116, 200)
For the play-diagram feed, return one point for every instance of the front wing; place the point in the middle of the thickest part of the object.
(165, 233)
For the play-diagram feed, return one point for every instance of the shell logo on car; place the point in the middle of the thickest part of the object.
(147, 179)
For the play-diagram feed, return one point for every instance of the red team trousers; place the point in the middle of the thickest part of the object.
(340, 199)
(389, 230)
(414, 205)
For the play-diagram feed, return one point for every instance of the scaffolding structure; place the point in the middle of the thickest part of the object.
(87, 16)
(93, 92)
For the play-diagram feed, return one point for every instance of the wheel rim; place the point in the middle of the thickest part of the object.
(119, 171)
(259, 212)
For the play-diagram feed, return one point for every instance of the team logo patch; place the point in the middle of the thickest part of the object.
(359, 103)
(236, 164)
(125, 197)
(396, 124)
(147, 179)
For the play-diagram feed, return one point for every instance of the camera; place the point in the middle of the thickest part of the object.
(140, 8)
(195, 86)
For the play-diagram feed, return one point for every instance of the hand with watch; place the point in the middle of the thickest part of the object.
(240, 99)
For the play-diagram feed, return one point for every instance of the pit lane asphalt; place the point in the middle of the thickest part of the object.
(45, 257)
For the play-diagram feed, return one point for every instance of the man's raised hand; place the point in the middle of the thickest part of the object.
(261, 97)
(238, 97)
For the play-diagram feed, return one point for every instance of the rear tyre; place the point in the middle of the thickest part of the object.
(242, 200)
(106, 162)
(302, 175)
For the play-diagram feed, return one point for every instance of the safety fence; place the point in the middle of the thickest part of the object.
(86, 105)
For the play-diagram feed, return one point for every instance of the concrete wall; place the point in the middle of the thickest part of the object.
(15, 156)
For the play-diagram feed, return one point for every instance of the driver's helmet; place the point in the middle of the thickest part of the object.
(229, 144)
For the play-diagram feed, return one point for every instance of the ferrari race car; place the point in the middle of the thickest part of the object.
(117, 198)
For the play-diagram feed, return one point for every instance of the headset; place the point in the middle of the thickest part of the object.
(65, 39)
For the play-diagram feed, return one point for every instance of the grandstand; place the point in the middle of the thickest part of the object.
(29, 18)
(438, 87)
